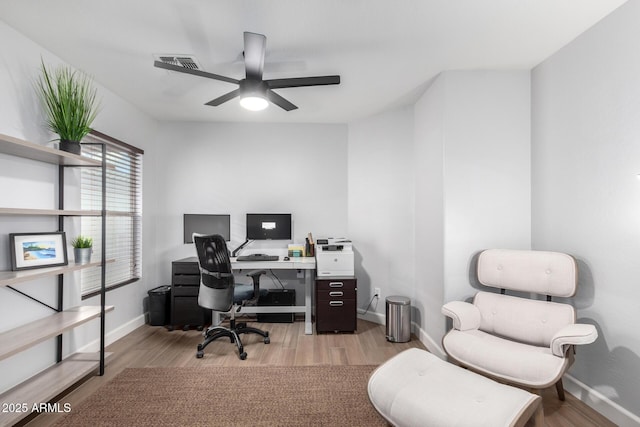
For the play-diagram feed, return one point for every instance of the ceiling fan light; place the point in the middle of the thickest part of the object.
(254, 102)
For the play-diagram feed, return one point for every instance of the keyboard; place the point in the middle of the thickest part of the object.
(258, 257)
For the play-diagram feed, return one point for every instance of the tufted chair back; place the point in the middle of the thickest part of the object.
(532, 321)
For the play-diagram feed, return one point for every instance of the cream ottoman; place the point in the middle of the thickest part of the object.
(416, 388)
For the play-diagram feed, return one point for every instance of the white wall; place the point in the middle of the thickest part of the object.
(238, 168)
(472, 147)
(25, 183)
(429, 238)
(586, 193)
(380, 178)
(431, 186)
(486, 169)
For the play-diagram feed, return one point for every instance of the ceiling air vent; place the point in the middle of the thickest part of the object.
(185, 61)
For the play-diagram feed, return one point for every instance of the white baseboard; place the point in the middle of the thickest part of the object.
(115, 335)
(125, 329)
(424, 338)
(431, 344)
(600, 402)
(372, 316)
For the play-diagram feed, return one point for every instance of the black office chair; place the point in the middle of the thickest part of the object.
(217, 289)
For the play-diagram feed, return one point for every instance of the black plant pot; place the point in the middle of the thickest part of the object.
(70, 146)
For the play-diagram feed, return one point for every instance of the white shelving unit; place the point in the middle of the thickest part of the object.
(58, 212)
(46, 385)
(21, 338)
(8, 278)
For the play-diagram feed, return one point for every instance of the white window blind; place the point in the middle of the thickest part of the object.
(124, 211)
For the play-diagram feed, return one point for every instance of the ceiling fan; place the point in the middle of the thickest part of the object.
(254, 92)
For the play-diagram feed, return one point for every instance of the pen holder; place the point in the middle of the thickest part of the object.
(310, 250)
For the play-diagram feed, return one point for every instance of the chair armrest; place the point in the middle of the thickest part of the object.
(255, 277)
(465, 316)
(256, 273)
(574, 334)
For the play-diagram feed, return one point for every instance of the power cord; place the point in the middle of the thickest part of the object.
(377, 298)
(272, 276)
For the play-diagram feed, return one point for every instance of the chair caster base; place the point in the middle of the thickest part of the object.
(267, 340)
(200, 354)
(243, 355)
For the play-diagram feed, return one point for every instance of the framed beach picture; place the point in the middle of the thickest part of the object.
(37, 250)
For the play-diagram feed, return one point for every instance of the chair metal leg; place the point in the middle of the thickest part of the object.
(212, 335)
(233, 333)
(560, 389)
(241, 352)
(213, 329)
(250, 330)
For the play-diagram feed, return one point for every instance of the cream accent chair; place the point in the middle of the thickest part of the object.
(513, 339)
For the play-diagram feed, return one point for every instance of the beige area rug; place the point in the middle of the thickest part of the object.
(235, 396)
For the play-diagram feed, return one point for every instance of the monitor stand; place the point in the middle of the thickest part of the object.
(235, 252)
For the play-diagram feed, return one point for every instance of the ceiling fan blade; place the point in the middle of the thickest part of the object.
(280, 101)
(224, 98)
(254, 47)
(171, 67)
(303, 81)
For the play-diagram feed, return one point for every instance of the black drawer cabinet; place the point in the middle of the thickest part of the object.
(336, 304)
(185, 285)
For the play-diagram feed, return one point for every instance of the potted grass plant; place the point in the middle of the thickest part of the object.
(82, 249)
(70, 103)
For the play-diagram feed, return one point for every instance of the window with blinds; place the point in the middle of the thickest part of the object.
(124, 212)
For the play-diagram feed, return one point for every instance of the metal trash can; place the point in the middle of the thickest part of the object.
(159, 305)
(398, 311)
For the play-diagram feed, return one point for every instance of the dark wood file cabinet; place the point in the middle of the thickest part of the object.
(185, 285)
(336, 304)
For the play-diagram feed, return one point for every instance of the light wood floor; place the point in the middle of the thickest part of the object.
(150, 346)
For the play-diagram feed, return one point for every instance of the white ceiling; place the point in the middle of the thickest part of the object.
(385, 51)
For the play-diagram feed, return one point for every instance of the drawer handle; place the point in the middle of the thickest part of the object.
(336, 303)
(336, 284)
(336, 294)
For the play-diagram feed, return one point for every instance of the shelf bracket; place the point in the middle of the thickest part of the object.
(33, 299)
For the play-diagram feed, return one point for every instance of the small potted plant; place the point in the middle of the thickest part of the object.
(82, 249)
(69, 99)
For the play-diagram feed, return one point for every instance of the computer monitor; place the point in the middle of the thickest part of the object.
(263, 226)
(207, 224)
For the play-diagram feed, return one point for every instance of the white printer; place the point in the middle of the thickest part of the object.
(334, 257)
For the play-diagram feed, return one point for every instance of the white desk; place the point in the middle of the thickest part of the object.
(306, 264)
